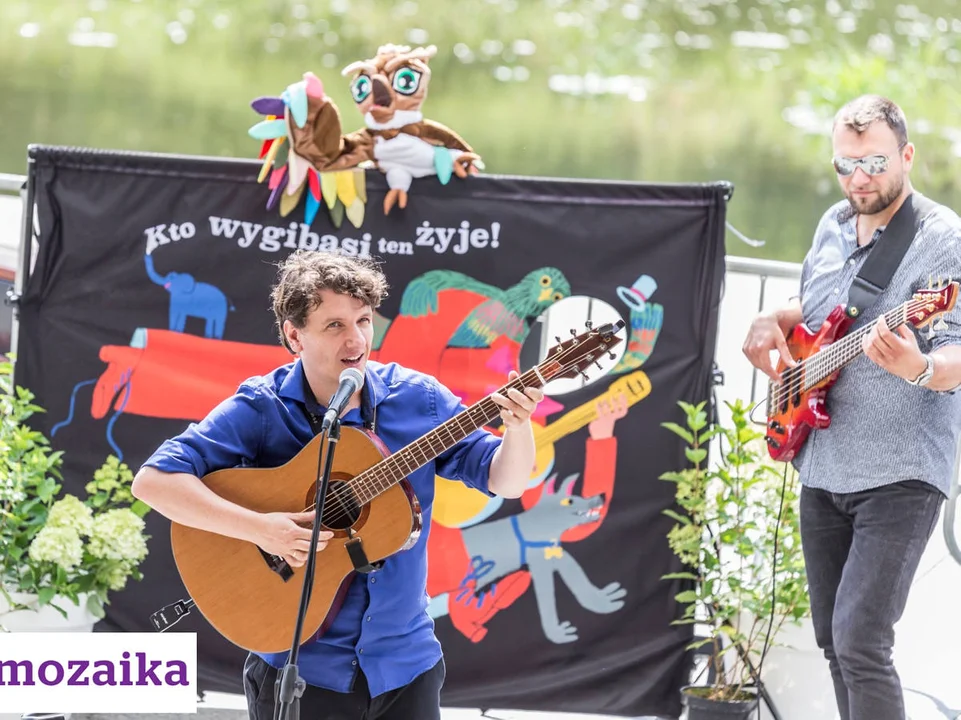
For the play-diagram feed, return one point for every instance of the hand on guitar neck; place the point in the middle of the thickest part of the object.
(895, 350)
(769, 332)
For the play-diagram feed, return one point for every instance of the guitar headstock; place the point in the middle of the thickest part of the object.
(928, 303)
(570, 358)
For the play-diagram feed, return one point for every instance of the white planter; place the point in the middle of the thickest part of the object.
(45, 619)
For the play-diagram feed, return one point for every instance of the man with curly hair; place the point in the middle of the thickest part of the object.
(379, 658)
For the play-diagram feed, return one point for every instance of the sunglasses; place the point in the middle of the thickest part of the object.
(872, 164)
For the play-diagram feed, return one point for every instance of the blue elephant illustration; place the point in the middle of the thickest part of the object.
(189, 298)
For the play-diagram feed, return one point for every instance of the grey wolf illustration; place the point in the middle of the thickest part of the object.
(532, 539)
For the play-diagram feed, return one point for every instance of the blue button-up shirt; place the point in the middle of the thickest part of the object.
(383, 625)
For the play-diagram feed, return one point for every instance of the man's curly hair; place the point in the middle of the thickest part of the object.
(305, 273)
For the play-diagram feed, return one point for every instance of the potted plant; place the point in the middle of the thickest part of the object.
(57, 552)
(738, 534)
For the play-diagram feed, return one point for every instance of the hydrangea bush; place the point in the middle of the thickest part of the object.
(56, 546)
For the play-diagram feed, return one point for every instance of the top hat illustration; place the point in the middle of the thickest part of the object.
(638, 294)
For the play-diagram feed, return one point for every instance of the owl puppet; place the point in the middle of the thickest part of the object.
(389, 90)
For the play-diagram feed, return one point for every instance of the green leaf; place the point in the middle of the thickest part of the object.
(679, 576)
(699, 421)
(683, 519)
(677, 429)
(140, 508)
(700, 643)
(45, 595)
(688, 596)
(708, 435)
(95, 606)
(695, 455)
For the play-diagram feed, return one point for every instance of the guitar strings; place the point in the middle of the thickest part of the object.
(796, 376)
(844, 349)
(379, 472)
(359, 487)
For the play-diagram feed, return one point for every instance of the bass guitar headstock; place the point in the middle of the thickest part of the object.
(930, 303)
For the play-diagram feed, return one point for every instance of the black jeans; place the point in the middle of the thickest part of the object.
(862, 551)
(420, 699)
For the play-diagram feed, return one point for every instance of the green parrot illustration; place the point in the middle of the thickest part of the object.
(504, 312)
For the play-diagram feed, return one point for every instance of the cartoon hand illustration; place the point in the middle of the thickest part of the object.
(607, 599)
(563, 632)
(607, 414)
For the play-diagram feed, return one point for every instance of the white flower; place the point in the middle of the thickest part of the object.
(11, 490)
(115, 576)
(69, 512)
(60, 545)
(118, 535)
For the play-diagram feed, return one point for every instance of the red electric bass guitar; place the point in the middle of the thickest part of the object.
(796, 404)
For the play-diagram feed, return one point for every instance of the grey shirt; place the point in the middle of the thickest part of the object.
(882, 429)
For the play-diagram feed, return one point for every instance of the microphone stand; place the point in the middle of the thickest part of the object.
(289, 686)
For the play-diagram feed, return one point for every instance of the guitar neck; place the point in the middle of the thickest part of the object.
(824, 363)
(634, 387)
(391, 470)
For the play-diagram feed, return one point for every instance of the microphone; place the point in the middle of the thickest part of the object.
(351, 380)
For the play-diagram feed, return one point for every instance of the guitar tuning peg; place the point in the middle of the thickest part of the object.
(939, 324)
(557, 337)
(588, 324)
(930, 331)
(598, 365)
(573, 332)
(939, 282)
(611, 355)
(930, 283)
(584, 375)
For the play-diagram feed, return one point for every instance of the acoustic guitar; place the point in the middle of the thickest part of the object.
(796, 404)
(252, 597)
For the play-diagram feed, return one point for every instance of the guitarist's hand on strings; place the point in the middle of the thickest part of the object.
(288, 536)
(895, 351)
(764, 336)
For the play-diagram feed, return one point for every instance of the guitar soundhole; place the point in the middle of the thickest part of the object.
(341, 508)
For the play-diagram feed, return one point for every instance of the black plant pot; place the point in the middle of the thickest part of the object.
(700, 708)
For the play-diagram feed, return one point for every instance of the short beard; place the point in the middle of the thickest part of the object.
(879, 203)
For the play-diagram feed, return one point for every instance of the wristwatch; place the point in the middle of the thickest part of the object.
(925, 377)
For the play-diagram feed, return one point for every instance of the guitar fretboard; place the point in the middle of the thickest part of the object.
(826, 362)
(391, 470)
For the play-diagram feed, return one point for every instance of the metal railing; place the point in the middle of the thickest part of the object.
(12, 184)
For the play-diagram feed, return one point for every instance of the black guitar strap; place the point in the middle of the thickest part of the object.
(887, 253)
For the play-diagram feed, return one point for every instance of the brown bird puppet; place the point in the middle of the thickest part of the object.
(305, 147)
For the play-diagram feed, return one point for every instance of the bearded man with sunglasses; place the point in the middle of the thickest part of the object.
(873, 482)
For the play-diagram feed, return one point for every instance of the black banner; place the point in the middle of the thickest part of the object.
(148, 304)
